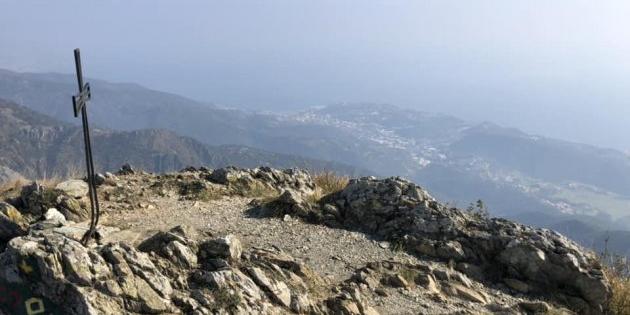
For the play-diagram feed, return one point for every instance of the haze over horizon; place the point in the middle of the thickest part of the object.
(556, 69)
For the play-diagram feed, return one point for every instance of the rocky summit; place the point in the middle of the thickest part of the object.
(267, 241)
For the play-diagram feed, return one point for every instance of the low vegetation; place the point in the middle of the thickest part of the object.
(226, 299)
(330, 182)
(12, 188)
(254, 189)
(618, 272)
(327, 183)
(198, 190)
(478, 209)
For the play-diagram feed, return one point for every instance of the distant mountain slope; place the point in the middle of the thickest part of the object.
(7, 174)
(38, 146)
(547, 159)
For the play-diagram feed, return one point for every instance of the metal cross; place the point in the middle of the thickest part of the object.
(79, 103)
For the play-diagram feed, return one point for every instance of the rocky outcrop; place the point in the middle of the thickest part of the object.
(36, 199)
(289, 179)
(171, 273)
(519, 258)
(461, 261)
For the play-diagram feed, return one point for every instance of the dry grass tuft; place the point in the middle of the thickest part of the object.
(12, 188)
(12, 184)
(50, 182)
(326, 183)
(330, 183)
(619, 303)
(254, 189)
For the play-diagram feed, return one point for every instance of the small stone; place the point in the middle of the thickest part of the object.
(218, 263)
(517, 285)
(381, 292)
(290, 197)
(286, 218)
(428, 282)
(300, 303)
(126, 169)
(181, 254)
(278, 290)
(54, 215)
(537, 307)
(369, 311)
(397, 281)
(331, 209)
(99, 179)
(228, 247)
(470, 270)
(467, 293)
(442, 275)
(461, 278)
(451, 250)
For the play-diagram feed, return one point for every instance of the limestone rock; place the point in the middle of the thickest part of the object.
(54, 215)
(181, 254)
(535, 307)
(228, 247)
(349, 302)
(12, 223)
(36, 199)
(517, 285)
(397, 281)
(471, 270)
(466, 293)
(126, 169)
(151, 302)
(278, 290)
(80, 280)
(293, 179)
(177, 245)
(71, 209)
(428, 282)
(451, 250)
(75, 188)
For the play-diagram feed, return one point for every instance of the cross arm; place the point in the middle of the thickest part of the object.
(80, 100)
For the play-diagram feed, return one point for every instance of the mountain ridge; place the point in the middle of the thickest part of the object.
(38, 146)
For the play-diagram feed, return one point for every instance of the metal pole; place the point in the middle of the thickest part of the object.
(94, 206)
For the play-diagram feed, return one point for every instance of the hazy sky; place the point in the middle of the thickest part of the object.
(558, 68)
